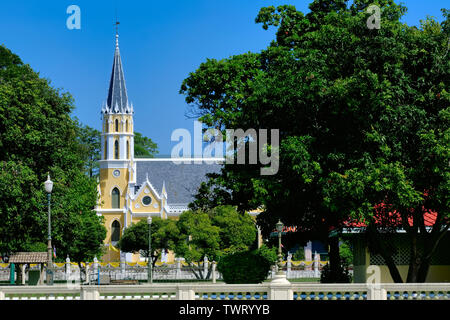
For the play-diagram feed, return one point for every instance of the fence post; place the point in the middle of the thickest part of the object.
(89, 293)
(185, 292)
(213, 272)
(178, 270)
(205, 266)
(122, 269)
(288, 265)
(280, 291)
(316, 265)
(95, 266)
(375, 292)
(68, 270)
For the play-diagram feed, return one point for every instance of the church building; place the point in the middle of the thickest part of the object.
(133, 189)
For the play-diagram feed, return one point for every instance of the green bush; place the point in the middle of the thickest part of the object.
(247, 266)
(342, 276)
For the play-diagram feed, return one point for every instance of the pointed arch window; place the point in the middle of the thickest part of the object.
(128, 149)
(115, 199)
(117, 125)
(126, 125)
(115, 231)
(116, 150)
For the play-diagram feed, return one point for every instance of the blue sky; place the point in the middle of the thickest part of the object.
(160, 43)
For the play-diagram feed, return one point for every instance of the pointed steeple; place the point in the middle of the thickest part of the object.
(117, 101)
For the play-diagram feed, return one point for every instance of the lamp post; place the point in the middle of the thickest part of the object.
(48, 188)
(150, 264)
(280, 277)
(279, 227)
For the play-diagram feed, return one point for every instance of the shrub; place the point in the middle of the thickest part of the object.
(247, 266)
(341, 276)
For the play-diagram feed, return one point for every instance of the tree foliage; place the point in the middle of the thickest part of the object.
(363, 120)
(212, 234)
(163, 234)
(37, 137)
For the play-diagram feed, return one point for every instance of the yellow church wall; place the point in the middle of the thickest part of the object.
(108, 182)
(110, 123)
(142, 207)
(110, 254)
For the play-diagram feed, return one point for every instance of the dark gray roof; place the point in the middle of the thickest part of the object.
(182, 181)
(117, 95)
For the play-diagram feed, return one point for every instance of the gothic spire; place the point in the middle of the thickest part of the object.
(117, 101)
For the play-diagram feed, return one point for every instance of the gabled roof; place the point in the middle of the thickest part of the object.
(181, 181)
(28, 257)
(117, 101)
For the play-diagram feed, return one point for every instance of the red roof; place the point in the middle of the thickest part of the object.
(385, 217)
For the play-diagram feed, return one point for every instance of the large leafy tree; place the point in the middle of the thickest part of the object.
(363, 120)
(39, 137)
(135, 238)
(212, 234)
(144, 147)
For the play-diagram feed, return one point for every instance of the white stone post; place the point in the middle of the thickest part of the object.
(280, 291)
(2, 295)
(95, 267)
(316, 265)
(185, 292)
(375, 292)
(205, 266)
(178, 271)
(288, 265)
(122, 269)
(213, 272)
(90, 293)
(68, 269)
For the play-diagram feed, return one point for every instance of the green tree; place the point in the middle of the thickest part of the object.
(212, 234)
(144, 147)
(135, 238)
(37, 137)
(363, 119)
(90, 140)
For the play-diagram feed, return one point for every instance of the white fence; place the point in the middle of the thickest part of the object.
(178, 270)
(265, 291)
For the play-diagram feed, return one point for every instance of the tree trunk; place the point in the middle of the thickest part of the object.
(414, 260)
(380, 248)
(335, 258)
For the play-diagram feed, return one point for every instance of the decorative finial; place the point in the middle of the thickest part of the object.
(117, 33)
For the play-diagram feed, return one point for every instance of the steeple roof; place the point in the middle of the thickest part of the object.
(117, 101)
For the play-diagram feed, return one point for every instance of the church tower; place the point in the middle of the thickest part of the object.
(117, 157)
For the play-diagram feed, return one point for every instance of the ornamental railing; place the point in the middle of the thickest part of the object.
(264, 291)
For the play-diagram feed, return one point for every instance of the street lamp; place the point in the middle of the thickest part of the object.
(48, 188)
(280, 276)
(279, 227)
(150, 265)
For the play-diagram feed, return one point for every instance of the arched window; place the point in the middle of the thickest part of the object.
(116, 150)
(117, 125)
(115, 231)
(106, 125)
(106, 150)
(115, 199)
(128, 149)
(126, 125)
